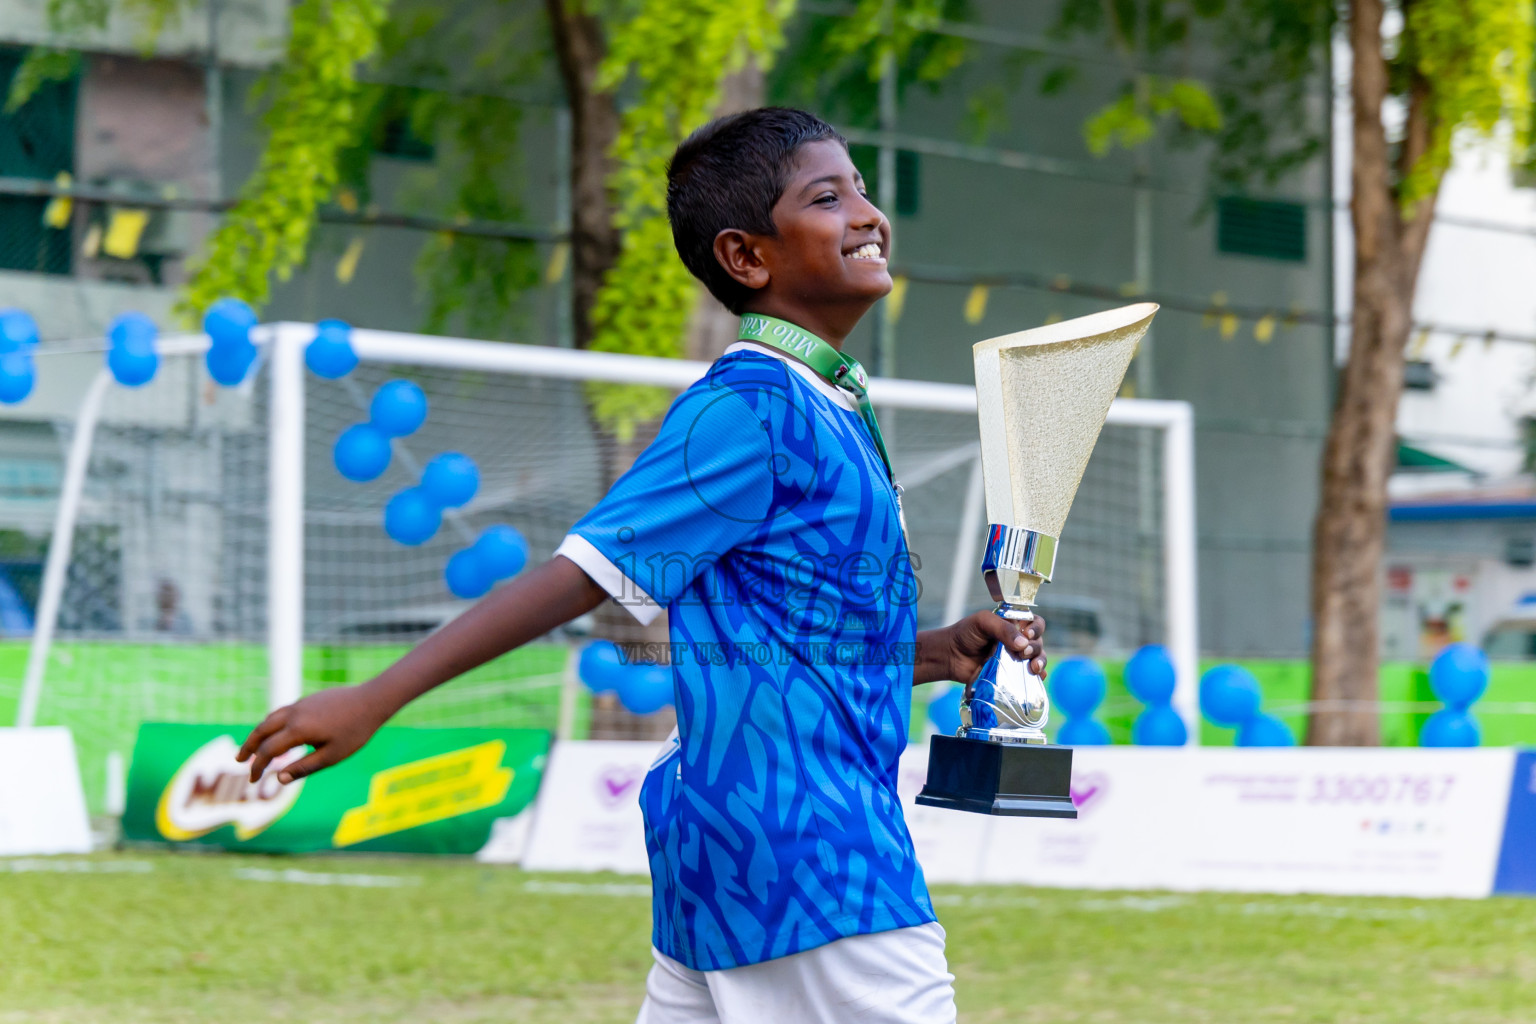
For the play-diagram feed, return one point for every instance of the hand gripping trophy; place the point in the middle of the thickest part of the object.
(1042, 397)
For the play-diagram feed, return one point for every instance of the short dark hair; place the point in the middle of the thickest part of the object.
(729, 174)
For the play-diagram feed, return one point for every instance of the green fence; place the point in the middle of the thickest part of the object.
(1286, 683)
(102, 691)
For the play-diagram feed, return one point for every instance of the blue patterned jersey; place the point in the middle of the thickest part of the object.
(763, 520)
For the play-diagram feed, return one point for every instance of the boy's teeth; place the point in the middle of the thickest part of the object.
(867, 251)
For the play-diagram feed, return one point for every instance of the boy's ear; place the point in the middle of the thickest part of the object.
(741, 254)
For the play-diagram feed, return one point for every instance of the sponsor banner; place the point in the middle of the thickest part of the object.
(42, 808)
(588, 817)
(1517, 857)
(1401, 822)
(407, 790)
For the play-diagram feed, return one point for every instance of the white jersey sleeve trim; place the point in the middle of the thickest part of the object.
(624, 591)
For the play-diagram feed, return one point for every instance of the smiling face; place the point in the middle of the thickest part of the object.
(827, 263)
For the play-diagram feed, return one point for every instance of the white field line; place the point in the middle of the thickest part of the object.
(76, 867)
(637, 890)
(588, 889)
(293, 876)
(1105, 904)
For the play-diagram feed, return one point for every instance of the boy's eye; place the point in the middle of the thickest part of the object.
(830, 197)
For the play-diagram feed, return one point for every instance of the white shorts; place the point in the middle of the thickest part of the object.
(894, 977)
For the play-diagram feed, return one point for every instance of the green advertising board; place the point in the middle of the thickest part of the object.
(406, 791)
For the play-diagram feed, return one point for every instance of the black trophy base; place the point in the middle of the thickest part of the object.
(999, 778)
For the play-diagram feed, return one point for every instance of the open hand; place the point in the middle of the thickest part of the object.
(335, 722)
(959, 651)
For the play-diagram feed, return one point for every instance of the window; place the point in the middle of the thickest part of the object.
(1261, 227)
(37, 141)
(909, 176)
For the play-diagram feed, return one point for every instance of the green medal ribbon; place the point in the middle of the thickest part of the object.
(842, 370)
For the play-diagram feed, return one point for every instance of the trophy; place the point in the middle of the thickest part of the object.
(1042, 397)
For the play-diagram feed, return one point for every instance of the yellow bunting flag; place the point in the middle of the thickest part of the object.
(1228, 326)
(976, 304)
(897, 299)
(1053, 318)
(1131, 289)
(1419, 344)
(1061, 282)
(432, 789)
(1264, 330)
(559, 259)
(56, 213)
(347, 200)
(125, 229)
(1456, 346)
(346, 267)
(1218, 299)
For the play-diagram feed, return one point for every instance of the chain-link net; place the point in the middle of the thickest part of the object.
(164, 614)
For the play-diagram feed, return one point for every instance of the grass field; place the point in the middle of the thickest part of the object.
(142, 937)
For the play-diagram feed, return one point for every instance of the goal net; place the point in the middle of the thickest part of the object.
(170, 610)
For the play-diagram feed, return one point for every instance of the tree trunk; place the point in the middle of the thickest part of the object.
(1350, 529)
(580, 48)
(713, 327)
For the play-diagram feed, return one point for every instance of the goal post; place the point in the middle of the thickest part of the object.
(1172, 420)
(208, 560)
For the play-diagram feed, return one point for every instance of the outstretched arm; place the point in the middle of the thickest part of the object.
(338, 722)
(959, 651)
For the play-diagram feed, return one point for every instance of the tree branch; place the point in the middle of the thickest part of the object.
(1373, 205)
(1417, 139)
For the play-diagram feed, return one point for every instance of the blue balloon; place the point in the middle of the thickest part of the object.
(451, 479)
(1083, 732)
(1265, 731)
(467, 575)
(398, 408)
(503, 550)
(645, 689)
(1459, 675)
(132, 368)
(17, 331)
(330, 355)
(228, 364)
(411, 518)
(1229, 695)
(1077, 687)
(944, 711)
(361, 453)
(601, 666)
(1159, 726)
(228, 324)
(1150, 676)
(17, 375)
(1450, 727)
(133, 331)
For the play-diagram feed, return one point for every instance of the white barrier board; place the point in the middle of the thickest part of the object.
(1401, 822)
(1404, 822)
(587, 817)
(42, 808)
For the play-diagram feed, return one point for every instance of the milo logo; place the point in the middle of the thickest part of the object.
(211, 789)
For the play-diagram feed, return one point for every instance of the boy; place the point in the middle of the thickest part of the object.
(765, 521)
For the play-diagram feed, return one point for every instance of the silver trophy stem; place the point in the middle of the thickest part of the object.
(1006, 702)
